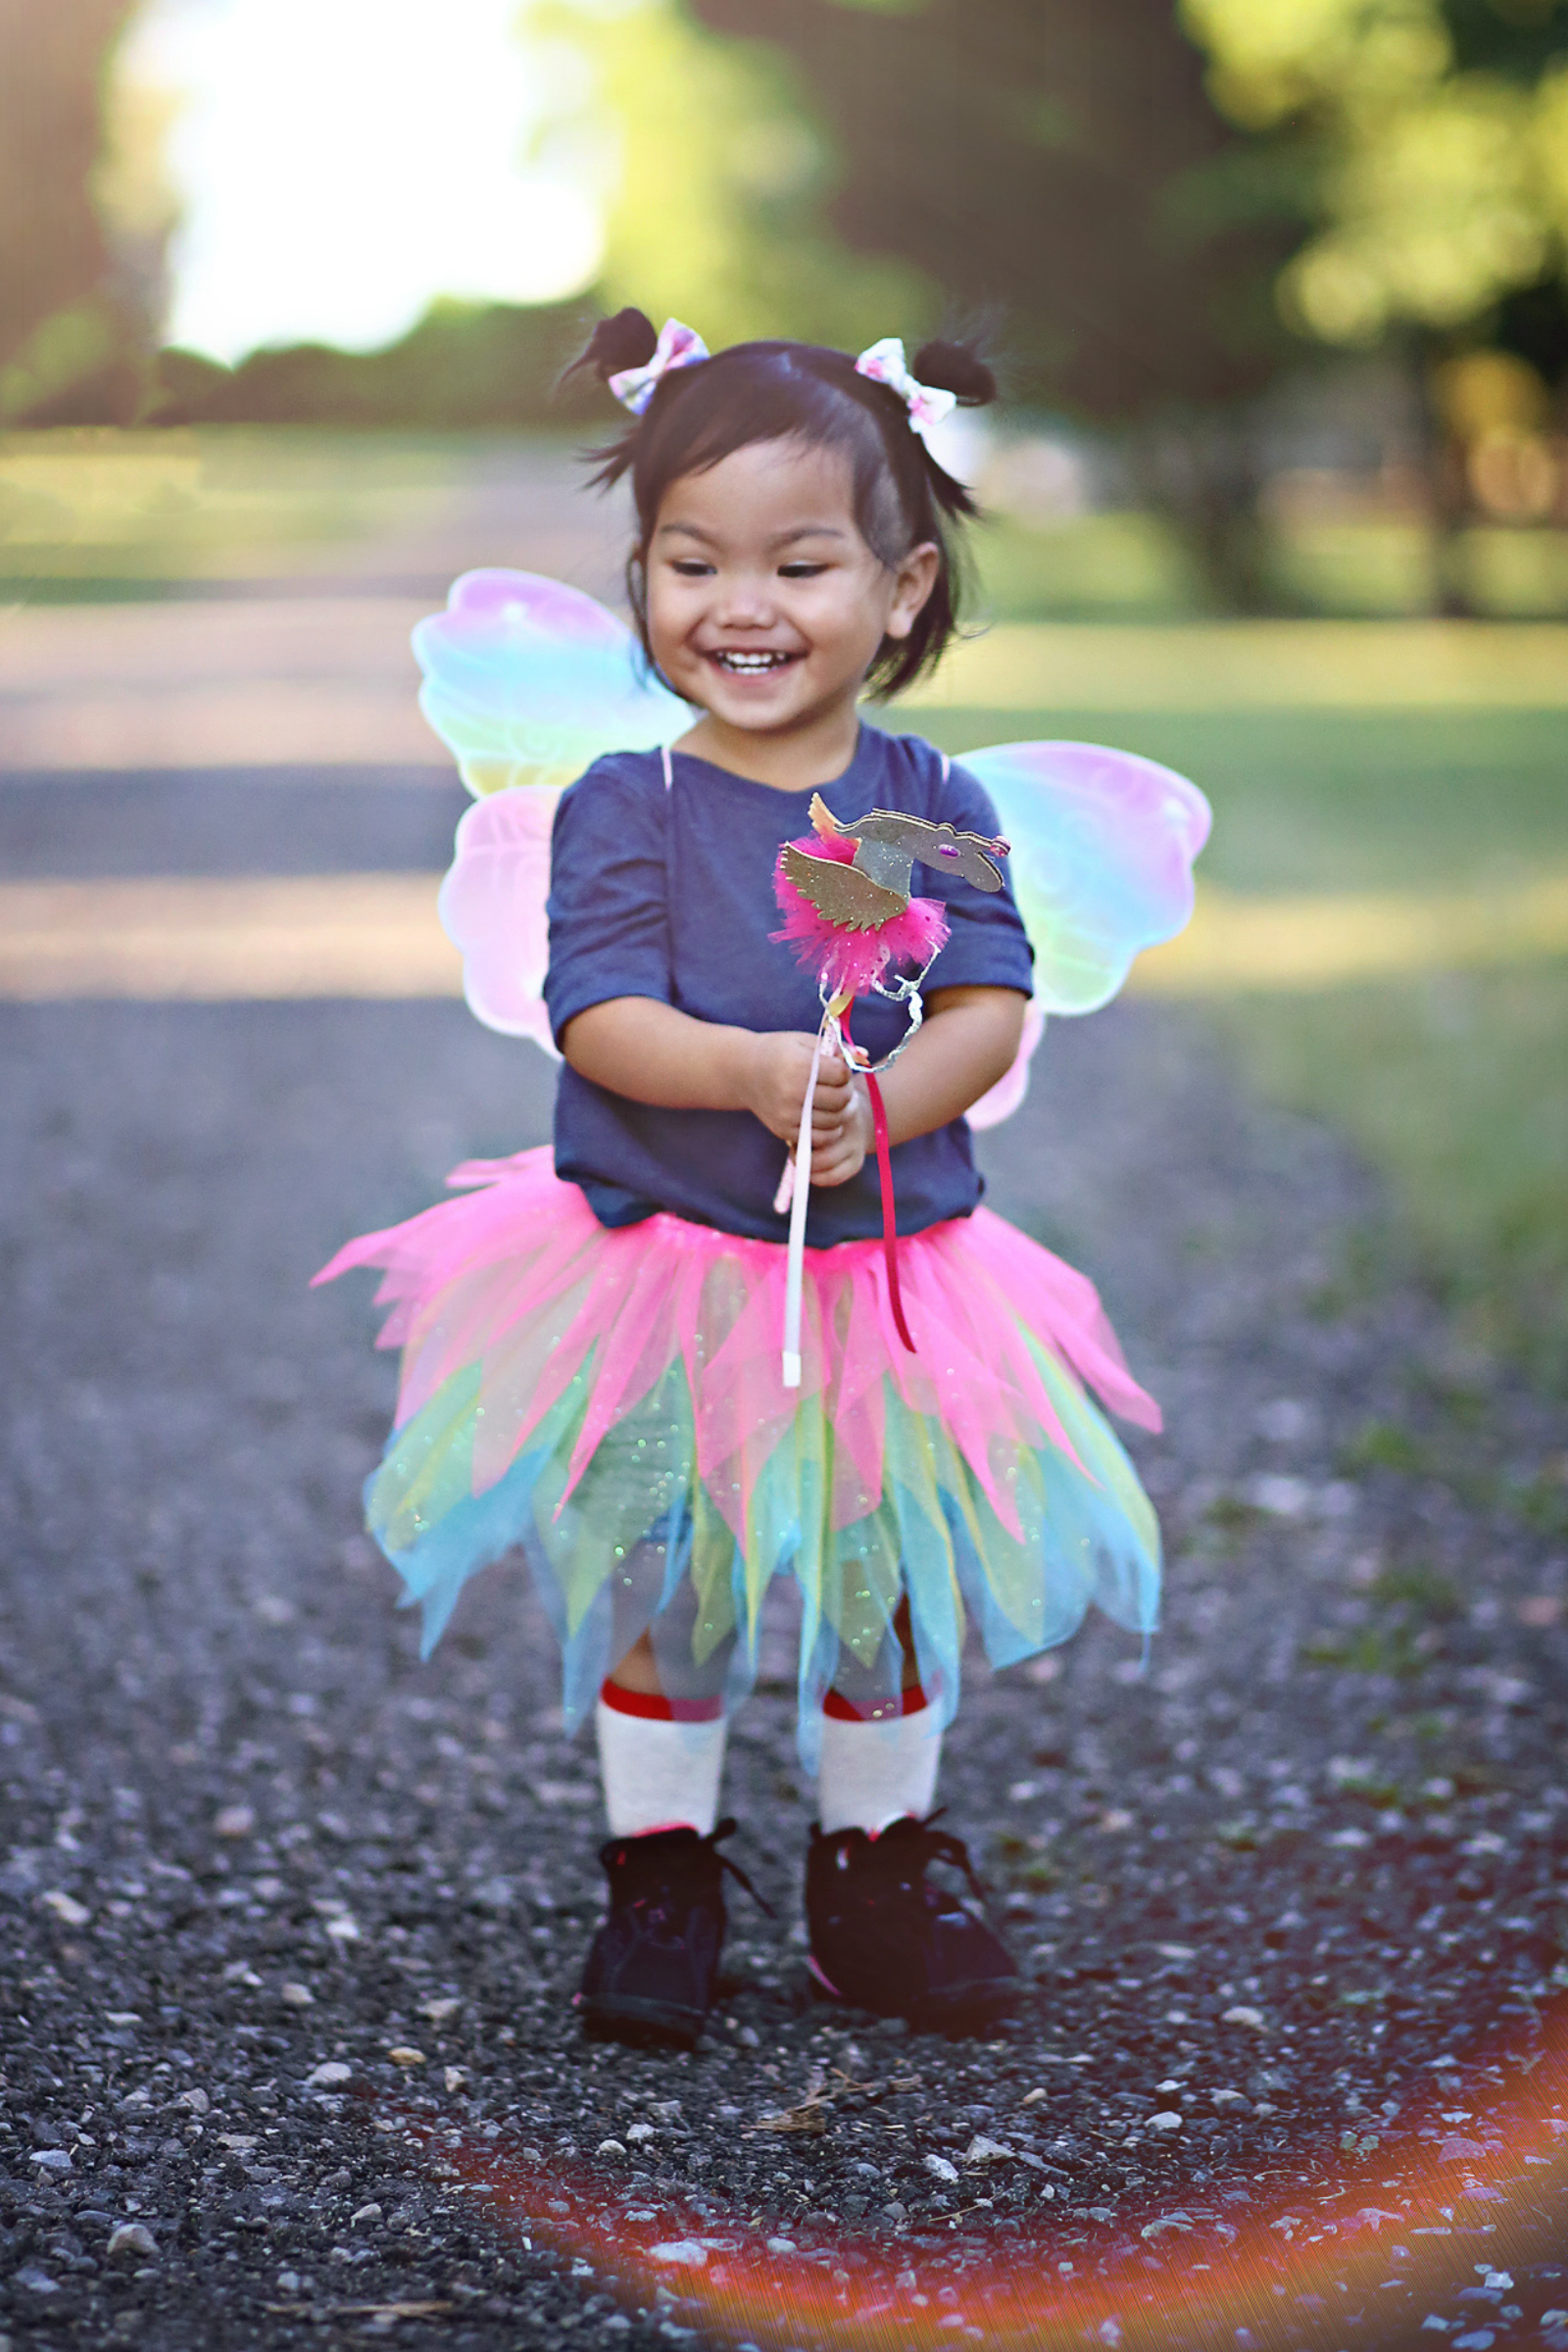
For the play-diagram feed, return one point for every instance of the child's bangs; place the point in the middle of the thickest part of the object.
(761, 393)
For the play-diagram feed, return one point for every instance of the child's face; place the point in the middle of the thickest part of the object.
(765, 606)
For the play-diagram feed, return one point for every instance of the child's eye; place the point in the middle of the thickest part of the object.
(690, 567)
(800, 571)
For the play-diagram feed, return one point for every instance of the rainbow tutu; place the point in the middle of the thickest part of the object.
(611, 1404)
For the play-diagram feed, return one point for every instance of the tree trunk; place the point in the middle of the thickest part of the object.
(1201, 473)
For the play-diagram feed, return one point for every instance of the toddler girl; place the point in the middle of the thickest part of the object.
(592, 1336)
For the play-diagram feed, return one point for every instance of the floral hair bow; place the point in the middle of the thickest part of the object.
(884, 362)
(677, 346)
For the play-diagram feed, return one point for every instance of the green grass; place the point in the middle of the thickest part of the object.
(88, 516)
(1454, 1085)
(1136, 567)
(1128, 566)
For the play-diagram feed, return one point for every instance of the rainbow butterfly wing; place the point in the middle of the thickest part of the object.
(529, 681)
(526, 682)
(1102, 867)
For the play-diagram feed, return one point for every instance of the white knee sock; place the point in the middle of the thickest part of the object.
(658, 1774)
(873, 1773)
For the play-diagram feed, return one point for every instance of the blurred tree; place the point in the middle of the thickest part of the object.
(64, 320)
(1064, 166)
(1438, 139)
(475, 366)
(717, 172)
(1434, 135)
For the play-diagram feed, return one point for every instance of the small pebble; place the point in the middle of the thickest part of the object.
(133, 2240)
(65, 1907)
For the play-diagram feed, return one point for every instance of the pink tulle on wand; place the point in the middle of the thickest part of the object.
(853, 962)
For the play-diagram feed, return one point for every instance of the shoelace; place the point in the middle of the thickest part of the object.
(924, 1844)
(670, 1860)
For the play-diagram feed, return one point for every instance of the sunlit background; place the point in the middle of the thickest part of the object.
(1280, 491)
(1278, 495)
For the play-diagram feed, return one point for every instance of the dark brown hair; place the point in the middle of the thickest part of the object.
(754, 392)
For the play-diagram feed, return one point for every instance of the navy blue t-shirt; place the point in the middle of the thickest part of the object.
(669, 894)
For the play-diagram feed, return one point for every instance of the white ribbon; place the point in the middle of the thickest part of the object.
(677, 346)
(795, 1265)
(884, 362)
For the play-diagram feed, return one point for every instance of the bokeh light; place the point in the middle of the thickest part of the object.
(340, 164)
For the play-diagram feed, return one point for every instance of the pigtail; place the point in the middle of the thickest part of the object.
(628, 340)
(959, 369)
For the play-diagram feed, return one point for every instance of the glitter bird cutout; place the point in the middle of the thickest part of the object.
(845, 896)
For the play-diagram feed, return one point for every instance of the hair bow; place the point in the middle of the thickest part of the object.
(884, 362)
(677, 346)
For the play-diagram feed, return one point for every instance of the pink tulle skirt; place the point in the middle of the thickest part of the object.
(611, 1404)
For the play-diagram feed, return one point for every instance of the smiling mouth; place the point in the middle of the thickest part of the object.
(750, 664)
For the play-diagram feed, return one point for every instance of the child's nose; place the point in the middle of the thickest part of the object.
(747, 601)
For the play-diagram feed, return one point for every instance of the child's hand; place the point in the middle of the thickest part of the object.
(843, 1154)
(778, 1069)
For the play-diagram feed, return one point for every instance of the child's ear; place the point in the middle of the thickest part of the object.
(912, 583)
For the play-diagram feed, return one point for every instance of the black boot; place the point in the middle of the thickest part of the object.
(885, 1940)
(652, 1967)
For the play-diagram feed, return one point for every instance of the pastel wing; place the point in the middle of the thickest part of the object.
(492, 905)
(1103, 844)
(527, 681)
(1102, 849)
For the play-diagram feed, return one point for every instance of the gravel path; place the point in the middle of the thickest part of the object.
(290, 1923)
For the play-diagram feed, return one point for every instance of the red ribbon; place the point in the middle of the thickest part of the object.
(890, 1230)
(884, 1169)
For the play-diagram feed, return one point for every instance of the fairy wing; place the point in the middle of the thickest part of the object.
(529, 681)
(1102, 864)
(526, 682)
(492, 905)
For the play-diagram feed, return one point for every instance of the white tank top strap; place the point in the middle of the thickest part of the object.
(669, 766)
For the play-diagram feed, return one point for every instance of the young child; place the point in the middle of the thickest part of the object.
(592, 1367)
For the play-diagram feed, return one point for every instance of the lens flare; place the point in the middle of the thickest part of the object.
(1468, 2199)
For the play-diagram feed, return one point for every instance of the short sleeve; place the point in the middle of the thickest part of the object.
(987, 946)
(607, 905)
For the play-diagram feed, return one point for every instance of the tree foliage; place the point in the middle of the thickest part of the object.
(466, 366)
(1062, 163)
(1435, 133)
(717, 169)
(57, 295)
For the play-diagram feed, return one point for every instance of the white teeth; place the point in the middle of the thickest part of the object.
(750, 664)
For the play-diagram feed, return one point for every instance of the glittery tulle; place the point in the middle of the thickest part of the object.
(610, 1403)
